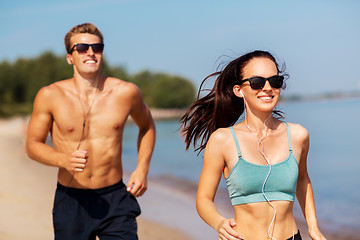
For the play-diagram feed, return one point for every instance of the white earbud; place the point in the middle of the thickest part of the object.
(242, 94)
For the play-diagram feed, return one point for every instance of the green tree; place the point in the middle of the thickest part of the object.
(117, 72)
(6, 83)
(20, 81)
(144, 81)
(161, 90)
(172, 91)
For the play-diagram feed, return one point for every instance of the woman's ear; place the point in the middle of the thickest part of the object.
(69, 59)
(237, 91)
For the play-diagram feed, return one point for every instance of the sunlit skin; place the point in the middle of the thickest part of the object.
(60, 109)
(252, 220)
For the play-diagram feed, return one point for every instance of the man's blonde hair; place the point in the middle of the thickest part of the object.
(82, 28)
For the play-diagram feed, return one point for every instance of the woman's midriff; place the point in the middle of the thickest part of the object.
(253, 220)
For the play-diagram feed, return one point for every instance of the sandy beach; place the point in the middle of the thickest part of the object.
(27, 191)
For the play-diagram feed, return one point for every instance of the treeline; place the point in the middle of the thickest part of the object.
(21, 80)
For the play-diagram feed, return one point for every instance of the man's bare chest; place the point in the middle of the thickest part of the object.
(103, 116)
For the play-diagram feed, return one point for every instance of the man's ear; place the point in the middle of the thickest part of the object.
(237, 91)
(69, 59)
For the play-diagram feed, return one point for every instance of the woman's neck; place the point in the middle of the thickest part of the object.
(260, 122)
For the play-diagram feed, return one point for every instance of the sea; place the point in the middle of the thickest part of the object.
(333, 159)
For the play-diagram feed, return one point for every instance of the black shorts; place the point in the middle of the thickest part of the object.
(296, 237)
(83, 214)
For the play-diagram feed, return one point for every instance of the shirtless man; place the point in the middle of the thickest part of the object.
(86, 115)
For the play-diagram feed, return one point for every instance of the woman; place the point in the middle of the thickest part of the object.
(263, 159)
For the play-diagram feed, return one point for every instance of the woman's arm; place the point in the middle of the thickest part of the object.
(304, 191)
(213, 167)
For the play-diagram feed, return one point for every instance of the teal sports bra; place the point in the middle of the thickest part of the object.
(246, 179)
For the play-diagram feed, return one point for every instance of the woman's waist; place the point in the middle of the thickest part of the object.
(257, 217)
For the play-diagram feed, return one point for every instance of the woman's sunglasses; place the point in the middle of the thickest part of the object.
(83, 47)
(259, 82)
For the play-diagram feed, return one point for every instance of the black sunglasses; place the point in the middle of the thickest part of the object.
(259, 82)
(84, 47)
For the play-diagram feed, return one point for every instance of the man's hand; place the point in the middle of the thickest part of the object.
(137, 184)
(77, 161)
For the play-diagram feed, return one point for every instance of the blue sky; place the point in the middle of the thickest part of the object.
(318, 40)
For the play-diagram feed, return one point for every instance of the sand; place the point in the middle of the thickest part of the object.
(27, 190)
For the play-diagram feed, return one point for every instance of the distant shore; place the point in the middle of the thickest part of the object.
(173, 113)
(177, 113)
(321, 97)
(165, 114)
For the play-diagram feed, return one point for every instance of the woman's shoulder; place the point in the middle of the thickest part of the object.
(298, 132)
(218, 144)
(220, 136)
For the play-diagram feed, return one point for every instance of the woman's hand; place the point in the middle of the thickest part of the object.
(316, 235)
(226, 231)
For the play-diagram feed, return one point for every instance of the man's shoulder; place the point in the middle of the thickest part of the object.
(116, 82)
(49, 96)
(55, 87)
(54, 91)
(122, 87)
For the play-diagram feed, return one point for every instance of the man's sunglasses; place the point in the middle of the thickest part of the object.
(259, 82)
(83, 47)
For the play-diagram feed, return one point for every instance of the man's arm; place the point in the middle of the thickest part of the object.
(38, 129)
(140, 113)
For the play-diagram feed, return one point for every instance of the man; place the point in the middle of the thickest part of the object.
(86, 115)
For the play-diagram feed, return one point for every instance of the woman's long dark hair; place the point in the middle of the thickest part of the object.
(220, 107)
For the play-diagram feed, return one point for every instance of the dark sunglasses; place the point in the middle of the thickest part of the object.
(83, 47)
(259, 82)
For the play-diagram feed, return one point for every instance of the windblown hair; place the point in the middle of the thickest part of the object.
(220, 107)
(82, 28)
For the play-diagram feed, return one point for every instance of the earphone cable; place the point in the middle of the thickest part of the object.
(261, 150)
(82, 138)
(268, 162)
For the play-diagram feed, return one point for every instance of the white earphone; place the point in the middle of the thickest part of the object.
(242, 94)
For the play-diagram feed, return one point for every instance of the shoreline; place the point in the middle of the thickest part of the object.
(163, 114)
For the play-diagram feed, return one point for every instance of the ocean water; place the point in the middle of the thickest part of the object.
(333, 160)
